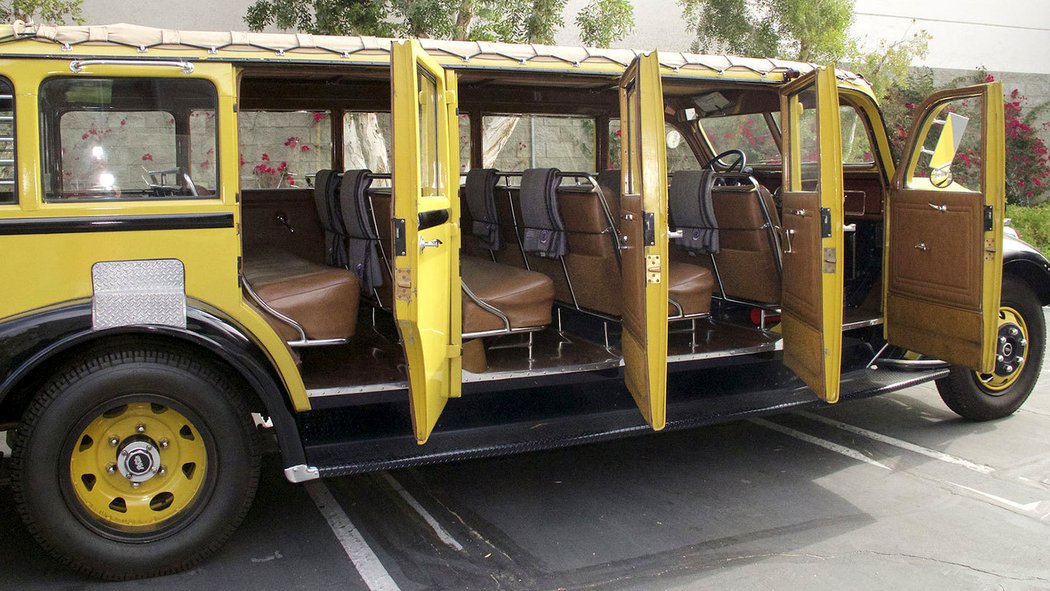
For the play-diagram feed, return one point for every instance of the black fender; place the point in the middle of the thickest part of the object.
(1026, 262)
(29, 341)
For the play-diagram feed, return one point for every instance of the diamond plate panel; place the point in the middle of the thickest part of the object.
(138, 292)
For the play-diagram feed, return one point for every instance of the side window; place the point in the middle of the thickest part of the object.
(951, 153)
(282, 149)
(679, 155)
(748, 133)
(7, 142)
(128, 138)
(856, 145)
(518, 142)
(366, 143)
(465, 142)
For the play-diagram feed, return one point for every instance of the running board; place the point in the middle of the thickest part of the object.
(370, 439)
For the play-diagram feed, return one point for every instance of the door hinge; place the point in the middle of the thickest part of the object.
(829, 260)
(403, 284)
(648, 228)
(989, 249)
(825, 222)
(652, 268)
(989, 218)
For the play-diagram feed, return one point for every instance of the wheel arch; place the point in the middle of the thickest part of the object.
(32, 344)
(1032, 272)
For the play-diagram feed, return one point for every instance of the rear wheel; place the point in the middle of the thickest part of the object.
(118, 469)
(1021, 342)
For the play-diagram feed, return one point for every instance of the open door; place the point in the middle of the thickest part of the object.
(427, 292)
(643, 230)
(944, 230)
(812, 231)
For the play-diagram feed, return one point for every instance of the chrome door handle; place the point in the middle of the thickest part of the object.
(941, 208)
(788, 233)
(799, 212)
(282, 220)
(922, 246)
(424, 244)
(672, 235)
(849, 228)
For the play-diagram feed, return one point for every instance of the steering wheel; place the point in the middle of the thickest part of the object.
(719, 164)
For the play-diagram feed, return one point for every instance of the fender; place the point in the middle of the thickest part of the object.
(34, 338)
(1025, 261)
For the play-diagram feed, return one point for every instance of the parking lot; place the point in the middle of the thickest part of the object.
(890, 492)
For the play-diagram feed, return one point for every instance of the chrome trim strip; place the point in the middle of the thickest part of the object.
(343, 390)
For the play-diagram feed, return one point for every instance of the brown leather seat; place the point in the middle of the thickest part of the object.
(747, 261)
(689, 290)
(322, 300)
(524, 297)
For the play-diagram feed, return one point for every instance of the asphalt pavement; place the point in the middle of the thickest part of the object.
(890, 492)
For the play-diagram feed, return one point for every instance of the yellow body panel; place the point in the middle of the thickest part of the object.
(426, 280)
(644, 157)
(813, 330)
(54, 268)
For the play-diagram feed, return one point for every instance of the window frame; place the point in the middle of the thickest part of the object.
(50, 129)
(15, 198)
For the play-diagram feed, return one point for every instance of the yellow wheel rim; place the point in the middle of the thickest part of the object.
(1011, 348)
(138, 466)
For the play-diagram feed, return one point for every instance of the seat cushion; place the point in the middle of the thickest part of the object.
(323, 300)
(525, 297)
(690, 288)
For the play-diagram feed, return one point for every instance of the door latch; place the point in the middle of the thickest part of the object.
(425, 244)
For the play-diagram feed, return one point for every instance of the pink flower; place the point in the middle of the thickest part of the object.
(304, 148)
(292, 141)
(147, 156)
(84, 137)
(242, 159)
(320, 116)
(265, 157)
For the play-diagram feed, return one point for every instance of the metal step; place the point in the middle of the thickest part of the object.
(364, 439)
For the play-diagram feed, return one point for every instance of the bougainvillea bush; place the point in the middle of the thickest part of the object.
(1027, 158)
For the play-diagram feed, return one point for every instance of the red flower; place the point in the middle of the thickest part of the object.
(292, 141)
(265, 157)
(989, 78)
(304, 148)
(320, 116)
(291, 182)
(282, 167)
(123, 122)
(205, 165)
(147, 156)
(242, 159)
(84, 137)
(619, 132)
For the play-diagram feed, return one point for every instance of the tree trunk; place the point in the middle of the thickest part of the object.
(463, 19)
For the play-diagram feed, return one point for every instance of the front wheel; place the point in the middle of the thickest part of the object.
(1021, 343)
(135, 463)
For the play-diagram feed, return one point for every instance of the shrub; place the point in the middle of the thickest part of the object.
(1032, 224)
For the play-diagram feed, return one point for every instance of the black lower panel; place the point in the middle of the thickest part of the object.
(379, 437)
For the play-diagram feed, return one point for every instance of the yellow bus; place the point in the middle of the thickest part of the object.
(384, 253)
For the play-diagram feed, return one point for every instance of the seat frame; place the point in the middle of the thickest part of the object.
(303, 340)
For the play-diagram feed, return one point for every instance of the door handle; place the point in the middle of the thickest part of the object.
(849, 228)
(941, 208)
(922, 246)
(424, 244)
(799, 212)
(675, 234)
(282, 219)
(788, 233)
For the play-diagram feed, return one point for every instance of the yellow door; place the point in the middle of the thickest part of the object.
(944, 230)
(643, 229)
(426, 233)
(812, 231)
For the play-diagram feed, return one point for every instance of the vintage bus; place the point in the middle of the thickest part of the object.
(382, 253)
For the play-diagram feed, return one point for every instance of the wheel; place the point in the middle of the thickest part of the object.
(135, 463)
(1021, 344)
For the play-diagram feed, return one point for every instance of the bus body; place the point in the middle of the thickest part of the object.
(396, 252)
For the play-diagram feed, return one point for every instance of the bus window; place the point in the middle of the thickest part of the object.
(518, 142)
(127, 138)
(7, 142)
(281, 149)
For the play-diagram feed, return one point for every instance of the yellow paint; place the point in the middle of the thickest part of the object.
(644, 154)
(53, 268)
(426, 178)
(109, 497)
(819, 366)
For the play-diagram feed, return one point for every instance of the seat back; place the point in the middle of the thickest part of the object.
(692, 211)
(749, 256)
(326, 199)
(479, 196)
(544, 233)
(361, 230)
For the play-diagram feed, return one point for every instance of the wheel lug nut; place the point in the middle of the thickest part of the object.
(114, 440)
(111, 468)
(162, 470)
(134, 485)
(140, 428)
(1013, 332)
(1009, 369)
(999, 358)
(1023, 342)
(163, 443)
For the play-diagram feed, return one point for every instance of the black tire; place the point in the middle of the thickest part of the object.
(964, 393)
(99, 383)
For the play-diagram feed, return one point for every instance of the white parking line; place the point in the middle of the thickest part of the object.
(441, 532)
(361, 555)
(930, 453)
(841, 449)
